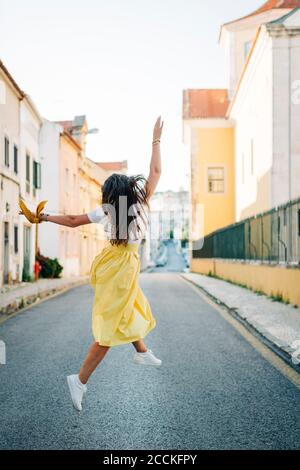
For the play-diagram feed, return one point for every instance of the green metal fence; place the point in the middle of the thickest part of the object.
(272, 236)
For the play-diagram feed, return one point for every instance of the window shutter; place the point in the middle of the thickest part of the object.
(36, 175)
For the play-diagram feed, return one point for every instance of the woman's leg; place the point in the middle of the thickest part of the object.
(94, 356)
(140, 346)
(146, 359)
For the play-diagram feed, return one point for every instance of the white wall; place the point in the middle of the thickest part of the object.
(235, 35)
(234, 49)
(9, 181)
(286, 167)
(49, 154)
(267, 110)
(252, 113)
(30, 124)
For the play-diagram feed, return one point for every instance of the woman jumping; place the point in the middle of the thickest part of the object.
(121, 313)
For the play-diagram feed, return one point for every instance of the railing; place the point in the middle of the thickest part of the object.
(272, 236)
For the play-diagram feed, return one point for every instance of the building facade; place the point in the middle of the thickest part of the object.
(267, 131)
(20, 170)
(10, 256)
(210, 138)
(44, 160)
(72, 180)
(244, 140)
(73, 186)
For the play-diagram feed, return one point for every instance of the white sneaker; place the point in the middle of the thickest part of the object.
(77, 390)
(146, 359)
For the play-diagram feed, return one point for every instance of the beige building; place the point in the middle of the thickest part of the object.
(92, 240)
(114, 167)
(10, 256)
(40, 159)
(20, 173)
(73, 186)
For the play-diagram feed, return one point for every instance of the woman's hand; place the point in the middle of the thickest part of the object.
(158, 127)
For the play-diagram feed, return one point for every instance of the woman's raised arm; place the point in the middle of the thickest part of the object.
(155, 164)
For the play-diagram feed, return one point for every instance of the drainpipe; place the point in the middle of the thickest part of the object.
(290, 150)
(290, 119)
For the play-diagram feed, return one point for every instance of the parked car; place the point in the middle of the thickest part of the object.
(162, 259)
(186, 257)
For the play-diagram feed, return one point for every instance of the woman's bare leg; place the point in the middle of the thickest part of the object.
(140, 346)
(94, 356)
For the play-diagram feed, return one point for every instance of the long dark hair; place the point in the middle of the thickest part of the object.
(124, 199)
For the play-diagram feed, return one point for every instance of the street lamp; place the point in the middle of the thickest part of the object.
(94, 130)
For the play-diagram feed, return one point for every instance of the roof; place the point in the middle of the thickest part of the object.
(270, 5)
(69, 136)
(283, 18)
(203, 103)
(77, 123)
(65, 124)
(113, 166)
(11, 80)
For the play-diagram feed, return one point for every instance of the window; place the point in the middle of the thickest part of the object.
(16, 159)
(27, 173)
(252, 157)
(36, 177)
(216, 179)
(67, 180)
(284, 216)
(243, 168)
(16, 239)
(299, 222)
(6, 151)
(66, 244)
(247, 47)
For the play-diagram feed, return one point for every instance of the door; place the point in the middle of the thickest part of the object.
(27, 245)
(6, 253)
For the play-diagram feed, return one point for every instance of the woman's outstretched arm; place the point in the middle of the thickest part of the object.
(155, 164)
(67, 220)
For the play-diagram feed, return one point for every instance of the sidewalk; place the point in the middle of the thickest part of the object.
(277, 322)
(15, 297)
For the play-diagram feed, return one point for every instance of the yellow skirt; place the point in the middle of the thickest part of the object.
(121, 312)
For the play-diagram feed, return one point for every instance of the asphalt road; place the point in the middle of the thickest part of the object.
(213, 391)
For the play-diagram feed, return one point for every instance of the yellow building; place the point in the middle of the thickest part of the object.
(91, 176)
(244, 150)
(210, 139)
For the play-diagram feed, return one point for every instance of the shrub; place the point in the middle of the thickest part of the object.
(50, 268)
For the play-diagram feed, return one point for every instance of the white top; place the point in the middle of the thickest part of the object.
(98, 216)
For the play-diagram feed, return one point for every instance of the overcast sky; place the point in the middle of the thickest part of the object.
(121, 63)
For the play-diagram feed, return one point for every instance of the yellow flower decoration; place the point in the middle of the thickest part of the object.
(30, 216)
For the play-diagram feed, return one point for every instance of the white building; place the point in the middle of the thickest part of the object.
(263, 63)
(19, 176)
(170, 214)
(30, 180)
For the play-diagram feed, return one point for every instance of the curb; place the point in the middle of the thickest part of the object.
(252, 329)
(23, 303)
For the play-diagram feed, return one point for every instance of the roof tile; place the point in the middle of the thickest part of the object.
(203, 103)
